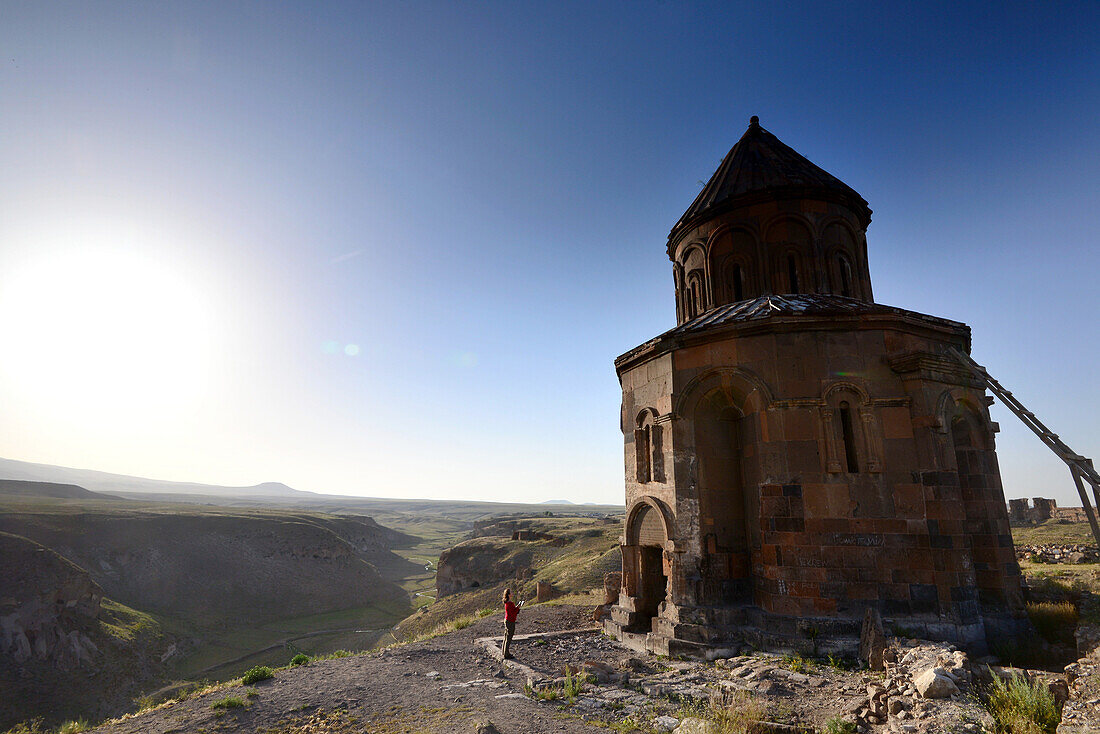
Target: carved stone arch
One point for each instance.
(956, 403)
(686, 251)
(747, 389)
(769, 226)
(749, 226)
(696, 279)
(638, 513)
(645, 413)
(852, 439)
(951, 402)
(732, 247)
(845, 386)
(844, 281)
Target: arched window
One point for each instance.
(792, 273)
(649, 456)
(697, 293)
(845, 276)
(848, 436)
(738, 281)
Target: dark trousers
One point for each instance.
(509, 630)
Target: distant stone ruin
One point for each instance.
(1041, 510)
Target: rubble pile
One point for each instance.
(1074, 553)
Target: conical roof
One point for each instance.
(761, 166)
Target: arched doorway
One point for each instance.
(648, 579)
(720, 432)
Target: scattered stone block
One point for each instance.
(934, 683)
(666, 723)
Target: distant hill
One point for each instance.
(98, 481)
(25, 488)
(560, 502)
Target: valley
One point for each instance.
(196, 588)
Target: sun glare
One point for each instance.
(110, 332)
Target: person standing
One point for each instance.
(511, 611)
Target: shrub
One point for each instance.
(574, 684)
(797, 664)
(74, 727)
(1055, 622)
(839, 726)
(229, 702)
(1019, 707)
(259, 673)
(299, 659)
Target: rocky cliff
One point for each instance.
(60, 640)
(220, 567)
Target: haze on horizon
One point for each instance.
(393, 249)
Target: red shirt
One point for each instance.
(510, 611)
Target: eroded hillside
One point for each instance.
(569, 553)
(65, 649)
(221, 588)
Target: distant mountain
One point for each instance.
(558, 502)
(98, 481)
(24, 488)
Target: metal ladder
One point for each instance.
(1080, 467)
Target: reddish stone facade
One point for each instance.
(795, 452)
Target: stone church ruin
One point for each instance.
(797, 453)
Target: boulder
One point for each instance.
(666, 723)
(935, 683)
(612, 582)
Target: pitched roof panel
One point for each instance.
(761, 163)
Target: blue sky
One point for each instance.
(393, 249)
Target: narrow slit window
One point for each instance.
(845, 278)
(738, 284)
(792, 273)
(642, 453)
(849, 437)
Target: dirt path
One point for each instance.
(446, 684)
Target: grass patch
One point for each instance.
(1019, 707)
(257, 674)
(743, 715)
(229, 702)
(1054, 621)
(797, 664)
(299, 659)
(839, 726)
(335, 655)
